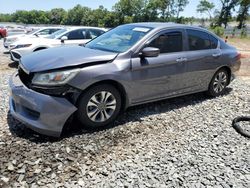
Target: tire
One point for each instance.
(94, 114)
(218, 83)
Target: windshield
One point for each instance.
(119, 39)
(56, 34)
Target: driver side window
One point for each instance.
(168, 42)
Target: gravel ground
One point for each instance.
(181, 142)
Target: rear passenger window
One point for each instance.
(214, 42)
(198, 40)
(77, 34)
(95, 33)
(169, 42)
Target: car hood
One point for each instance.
(16, 36)
(63, 57)
(32, 40)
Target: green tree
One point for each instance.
(79, 15)
(243, 13)
(111, 20)
(57, 16)
(96, 17)
(206, 7)
(179, 7)
(168, 10)
(129, 10)
(226, 12)
(6, 17)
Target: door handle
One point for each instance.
(217, 55)
(181, 59)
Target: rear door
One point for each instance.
(203, 56)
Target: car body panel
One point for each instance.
(46, 60)
(143, 79)
(13, 38)
(3, 32)
(44, 43)
(53, 111)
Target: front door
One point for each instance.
(158, 77)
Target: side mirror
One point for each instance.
(150, 52)
(63, 39)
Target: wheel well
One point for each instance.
(41, 48)
(229, 72)
(117, 85)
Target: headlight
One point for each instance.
(54, 78)
(23, 46)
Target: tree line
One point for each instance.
(128, 11)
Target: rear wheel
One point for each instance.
(99, 106)
(218, 83)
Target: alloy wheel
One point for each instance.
(101, 106)
(220, 82)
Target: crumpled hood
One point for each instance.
(63, 57)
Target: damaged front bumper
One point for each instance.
(42, 113)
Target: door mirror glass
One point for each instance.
(150, 52)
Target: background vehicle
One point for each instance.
(129, 65)
(42, 32)
(16, 31)
(3, 32)
(66, 36)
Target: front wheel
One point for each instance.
(99, 106)
(218, 83)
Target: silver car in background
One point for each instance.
(65, 36)
(41, 32)
(129, 65)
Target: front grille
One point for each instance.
(24, 77)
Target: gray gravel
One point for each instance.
(182, 142)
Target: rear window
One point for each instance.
(214, 42)
(95, 33)
(77, 34)
(198, 40)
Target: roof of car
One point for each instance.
(163, 25)
(83, 27)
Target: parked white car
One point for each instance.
(42, 32)
(67, 36)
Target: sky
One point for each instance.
(10, 6)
